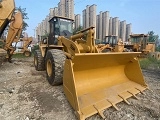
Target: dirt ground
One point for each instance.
(26, 95)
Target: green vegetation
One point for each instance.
(18, 55)
(1, 44)
(154, 38)
(158, 48)
(35, 47)
(150, 63)
(23, 11)
(78, 29)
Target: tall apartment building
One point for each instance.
(115, 26)
(102, 25)
(99, 27)
(43, 28)
(66, 8)
(128, 31)
(77, 20)
(69, 8)
(110, 26)
(89, 16)
(119, 29)
(123, 30)
(47, 29)
(86, 15)
(84, 18)
(105, 24)
(53, 12)
(38, 31)
(61, 8)
(92, 17)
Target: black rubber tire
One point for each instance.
(54, 63)
(27, 53)
(39, 62)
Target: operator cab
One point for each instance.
(111, 39)
(141, 39)
(59, 26)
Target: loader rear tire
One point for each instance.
(39, 62)
(55, 60)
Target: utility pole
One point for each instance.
(34, 33)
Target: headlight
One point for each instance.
(56, 36)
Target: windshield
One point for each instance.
(65, 25)
(111, 40)
(135, 40)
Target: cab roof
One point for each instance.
(61, 18)
(139, 35)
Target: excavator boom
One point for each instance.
(14, 32)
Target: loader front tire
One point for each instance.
(54, 66)
(39, 62)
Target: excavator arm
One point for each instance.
(14, 32)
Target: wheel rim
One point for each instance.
(35, 61)
(49, 67)
(27, 54)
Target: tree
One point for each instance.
(45, 35)
(152, 37)
(24, 14)
(78, 29)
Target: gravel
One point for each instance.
(26, 95)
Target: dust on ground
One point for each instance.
(26, 95)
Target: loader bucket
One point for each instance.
(95, 81)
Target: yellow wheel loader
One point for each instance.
(92, 81)
(111, 43)
(15, 21)
(139, 43)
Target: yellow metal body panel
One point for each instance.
(6, 12)
(95, 81)
(119, 48)
(149, 48)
